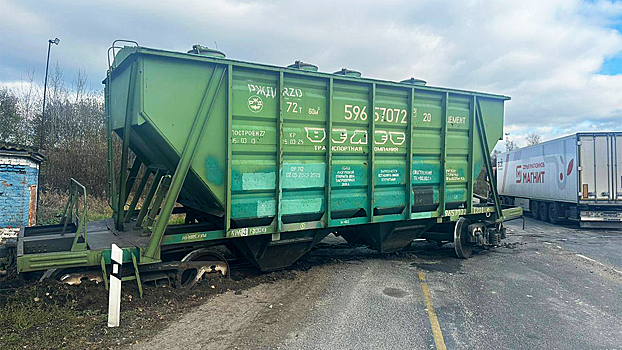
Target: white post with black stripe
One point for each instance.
(114, 298)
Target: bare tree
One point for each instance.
(79, 85)
(10, 125)
(493, 157)
(74, 129)
(533, 139)
(28, 94)
(510, 145)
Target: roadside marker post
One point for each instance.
(114, 297)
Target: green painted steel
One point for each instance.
(199, 125)
(284, 149)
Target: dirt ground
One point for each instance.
(51, 315)
(252, 319)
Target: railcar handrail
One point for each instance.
(113, 47)
(112, 190)
(73, 214)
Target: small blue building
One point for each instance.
(19, 181)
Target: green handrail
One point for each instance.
(72, 214)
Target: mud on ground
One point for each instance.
(51, 315)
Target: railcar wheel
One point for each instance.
(72, 276)
(535, 210)
(544, 211)
(554, 213)
(463, 248)
(199, 263)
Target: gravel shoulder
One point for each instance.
(253, 319)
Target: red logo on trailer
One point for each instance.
(568, 171)
(530, 173)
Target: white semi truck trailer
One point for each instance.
(576, 177)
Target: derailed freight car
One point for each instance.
(269, 160)
(577, 177)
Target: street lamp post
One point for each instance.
(45, 86)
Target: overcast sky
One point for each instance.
(559, 60)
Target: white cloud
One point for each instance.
(17, 85)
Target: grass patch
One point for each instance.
(37, 326)
(41, 317)
(52, 204)
(51, 315)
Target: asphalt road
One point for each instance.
(547, 287)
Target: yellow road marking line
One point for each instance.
(436, 327)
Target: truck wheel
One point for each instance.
(553, 213)
(544, 211)
(462, 246)
(535, 210)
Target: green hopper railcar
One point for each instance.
(269, 160)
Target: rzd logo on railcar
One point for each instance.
(255, 103)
